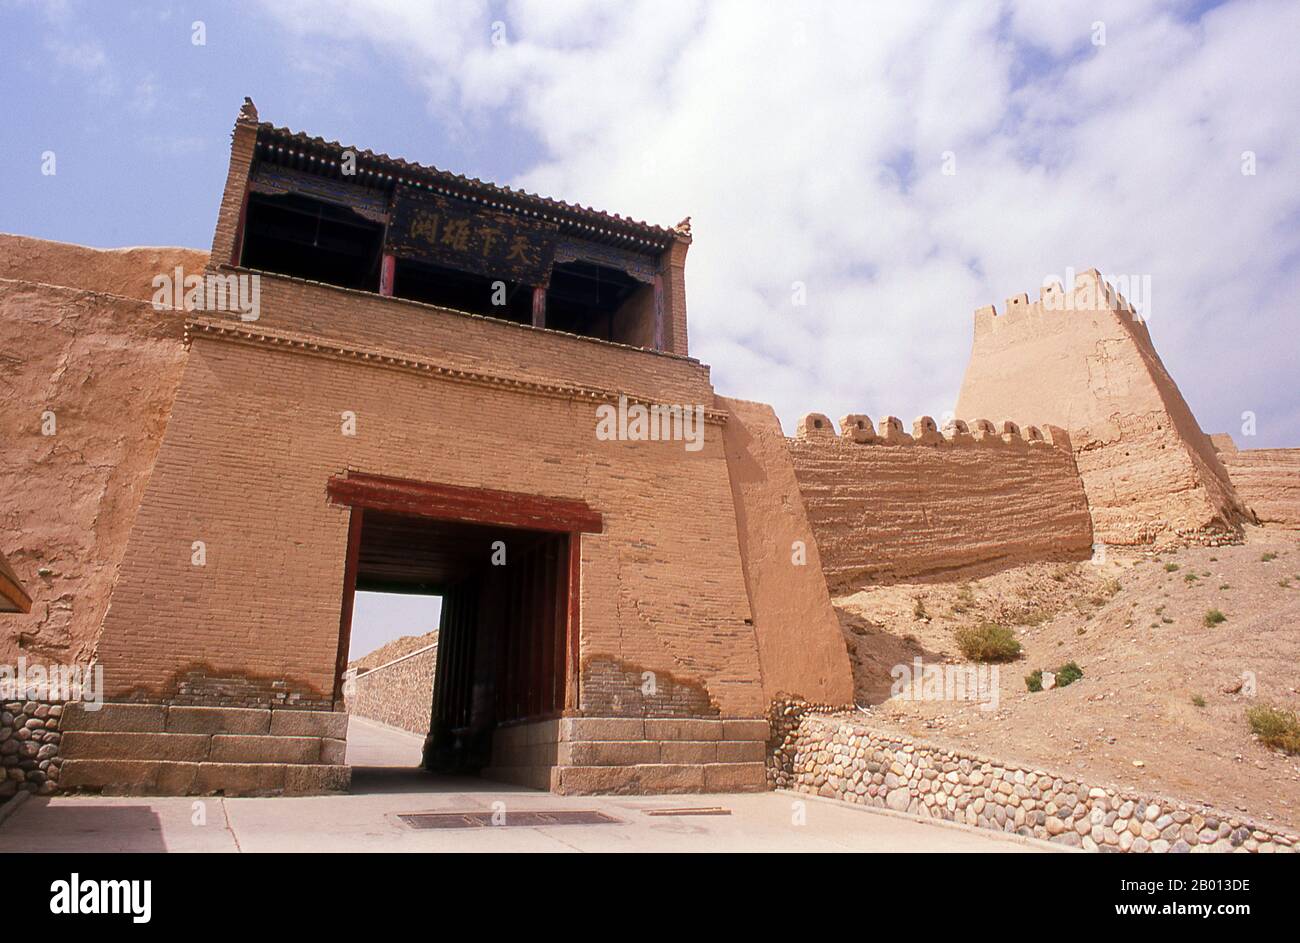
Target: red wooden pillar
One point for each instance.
(573, 622)
(539, 306)
(559, 623)
(387, 269)
(349, 596)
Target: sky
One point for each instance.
(897, 164)
(378, 618)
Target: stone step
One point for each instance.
(663, 728)
(199, 748)
(179, 778)
(660, 778)
(653, 752)
(183, 719)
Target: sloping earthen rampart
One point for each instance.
(1084, 361)
(886, 504)
(87, 379)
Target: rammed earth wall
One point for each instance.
(839, 759)
(885, 504)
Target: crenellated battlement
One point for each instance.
(1090, 292)
(858, 429)
(885, 503)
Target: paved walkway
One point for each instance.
(386, 784)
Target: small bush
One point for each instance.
(1189, 578)
(1213, 617)
(918, 610)
(1276, 728)
(1171, 567)
(1198, 701)
(988, 642)
(1068, 673)
(1268, 557)
(1224, 586)
(1166, 620)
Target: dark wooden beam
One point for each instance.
(458, 503)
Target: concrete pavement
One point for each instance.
(386, 784)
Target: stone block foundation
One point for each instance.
(632, 755)
(161, 749)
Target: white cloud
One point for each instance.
(806, 143)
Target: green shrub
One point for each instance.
(1213, 617)
(988, 642)
(1198, 701)
(1066, 675)
(1268, 557)
(1189, 578)
(1171, 567)
(1276, 728)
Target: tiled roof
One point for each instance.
(322, 156)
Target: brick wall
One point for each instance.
(256, 432)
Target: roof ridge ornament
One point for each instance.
(248, 111)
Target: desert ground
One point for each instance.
(1162, 702)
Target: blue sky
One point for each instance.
(805, 140)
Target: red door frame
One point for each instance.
(359, 492)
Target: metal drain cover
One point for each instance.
(515, 819)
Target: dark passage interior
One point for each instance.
(502, 636)
(297, 235)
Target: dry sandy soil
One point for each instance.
(1136, 626)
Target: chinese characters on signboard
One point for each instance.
(470, 238)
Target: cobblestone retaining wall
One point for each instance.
(29, 747)
(839, 759)
(399, 693)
